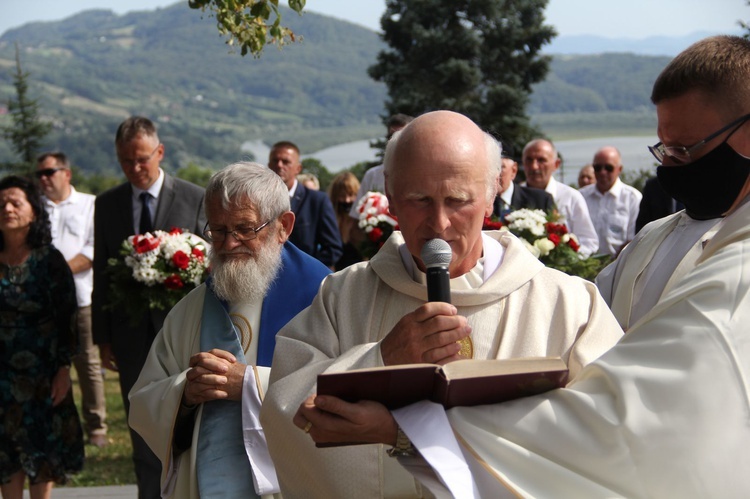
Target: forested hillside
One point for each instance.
(92, 70)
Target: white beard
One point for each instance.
(245, 280)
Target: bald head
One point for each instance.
(445, 132)
(607, 167)
(441, 177)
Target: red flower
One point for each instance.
(554, 238)
(553, 228)
(175, 230)
(490, 224)
(173, 282)
(573, 244)
(180, 260)
(376, 234)
(145, 244)
(198, 254)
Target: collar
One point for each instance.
(552, 187)
(614, 191)
(492, 257)
(293, 190)
(154, 190)
(507, 196)
(72, 197)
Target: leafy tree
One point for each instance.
(28, 131)
(638, 177)
(94, 183)
(248, 22)
(314, 166)
(195, 174)
(476, 57)
(744, 25)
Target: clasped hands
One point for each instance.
(213, 375)
(430, 334)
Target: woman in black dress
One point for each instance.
(40, 433)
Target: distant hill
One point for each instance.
(652, 45)
(93, 69)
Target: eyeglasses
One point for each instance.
(609, 168)
(682, 155)
(47, 172)
(239, 233)
(140, 161)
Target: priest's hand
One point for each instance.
(331, 420)
(214, 375)
(429, 334)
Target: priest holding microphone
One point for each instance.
(441, 173)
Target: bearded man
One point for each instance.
(197, 400)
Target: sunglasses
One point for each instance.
(609, 168)
(47, 172)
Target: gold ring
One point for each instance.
(307, 427)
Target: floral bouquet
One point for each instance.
(549, 241)
(156, 270)
(376, 221)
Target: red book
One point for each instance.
(459, 383)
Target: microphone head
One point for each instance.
(436, 253)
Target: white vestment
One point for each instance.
(622, 282)
(523, 309)
(665, 413)
(156, 396)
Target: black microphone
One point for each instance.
(436, 256)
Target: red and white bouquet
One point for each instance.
(549, 241)
(157, 269)
(376, 221)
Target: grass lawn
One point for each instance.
(113, 464)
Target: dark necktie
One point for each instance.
(146, 225)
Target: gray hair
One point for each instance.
(493, 150)
(260, 185)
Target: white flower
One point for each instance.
(544, 245)
(565, 238)
(533, 249)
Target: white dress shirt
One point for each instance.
(613, 214)
(72, 224)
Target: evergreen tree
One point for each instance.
(27, 131)
(476, 57)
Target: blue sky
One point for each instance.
(610, 18)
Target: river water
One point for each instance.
(575, 154)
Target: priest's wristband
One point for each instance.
(403, 447)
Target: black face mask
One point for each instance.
(708, 186)
(344, 207)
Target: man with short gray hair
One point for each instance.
(197, 399)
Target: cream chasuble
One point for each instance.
(522, 309)
(159, 389)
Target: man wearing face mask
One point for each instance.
(666, 249)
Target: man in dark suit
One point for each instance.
(315, 229)
(512, 196)
(149, 200)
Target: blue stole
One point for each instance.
(291, 292)
(222, 464)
